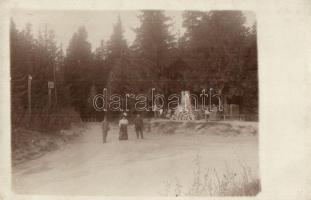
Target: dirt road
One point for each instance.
(133, 167)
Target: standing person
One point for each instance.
(123, 128)
(105, 129)
(207, 115)
(139, 126)
(161, 112)
(148, 125)
(169, 114)
(155, 110)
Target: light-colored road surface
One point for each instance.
(133, 167)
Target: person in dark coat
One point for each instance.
(139, 126)
(105, 129)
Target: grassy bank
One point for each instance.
(210, 182)
(32, 144)
(45, 132)
(224, 128)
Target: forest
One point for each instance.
(216, 51)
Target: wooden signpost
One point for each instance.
(50, 87)
(29, 97)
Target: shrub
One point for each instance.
(210, 183)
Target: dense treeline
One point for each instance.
(216, 51)
(38, 60)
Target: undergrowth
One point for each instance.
(210, 182)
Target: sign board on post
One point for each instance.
(50, 84)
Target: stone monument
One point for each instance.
(184, 110)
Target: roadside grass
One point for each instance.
(209, 182)
(223, 128)
(32, 144)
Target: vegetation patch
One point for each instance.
(209, 182)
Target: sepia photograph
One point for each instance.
(140, 99)
(134, 102)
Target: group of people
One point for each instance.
(123, 124)
(163, 113)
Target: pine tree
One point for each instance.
(18, 77)
(116, 53)
(100, 70)
(153, 39)
(224, 46)
(78, 64)
(117, 45)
